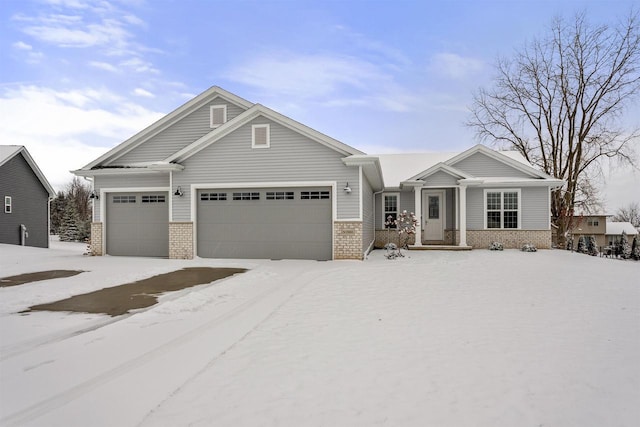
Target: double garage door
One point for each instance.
(137, 224)
(271, 223)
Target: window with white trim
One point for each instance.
(390, 205)
(7, 204)
(260, 136)
(153, 199)
(218, 115)
(213, 197)
(246, 196)
(502, 209)
(315, 195)
(124, 199)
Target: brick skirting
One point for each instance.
(181, 240)
(96, 239)
(347, 240)
(510, 239)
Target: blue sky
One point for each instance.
(78, 77)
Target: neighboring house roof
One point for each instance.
(616, 228)
(8, 152)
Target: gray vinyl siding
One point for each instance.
(450, 211)
(481, 165)
(475, 209)
(29, 204)
(441, 179)
(534, 208)
(148, 180)
(407, 201)
(290, 158)
(179, 135)
(368, 226)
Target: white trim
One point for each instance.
(360, 194)
(462, 214)
(253, 136)
(417, 202)
(285, 184)
(103, 205)
(170, 197)
(224, 115)
(382, 205)
(8, 204)
(502, 191)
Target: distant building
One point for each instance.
(605, 232)
(25, 194)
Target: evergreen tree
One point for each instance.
(70, 229)
(625, 247)
(582, 245)
(635, 248)
(57, 212)
(592, 247)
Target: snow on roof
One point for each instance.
(7, 151)
(616, 228)
(400, 167)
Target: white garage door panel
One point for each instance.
(269, 229)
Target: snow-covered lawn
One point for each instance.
(474, 338)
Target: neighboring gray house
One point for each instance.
(221, 177)
(25, 195)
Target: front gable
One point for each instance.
(183, 132)
(482, 166)
(174, 131)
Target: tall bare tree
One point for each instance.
(630, 213)
(559, 101)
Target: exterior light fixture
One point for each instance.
(347, 189)
(178, 192)
(93, 195)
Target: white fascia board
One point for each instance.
(551, 183)
(370, 166)
(43, 180)
(439, 167)
(246, 117)
(412, 183)
(167, 121)
(116, 171)
(479, 148)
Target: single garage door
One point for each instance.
(137, 224)
(272, 223)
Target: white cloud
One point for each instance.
(454, 66)
(103, 66)
(140, 66)
(64, 130)
(143, 93)
(326, 79)
(22, 46)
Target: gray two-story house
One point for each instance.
(221, 177)
(25, 194)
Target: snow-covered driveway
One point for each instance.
(435, 339)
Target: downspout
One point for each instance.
(373, 201)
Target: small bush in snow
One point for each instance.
(496, 246)
(392, 251)
(570, 244)
(528, 247)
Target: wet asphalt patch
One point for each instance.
(144, 293)
(21, 279)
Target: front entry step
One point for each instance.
(439, 248)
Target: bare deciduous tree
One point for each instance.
(630, 213)
(558, 102)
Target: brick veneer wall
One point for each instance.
(347, 240)
(510, 239)
(389, 236)
(181, 240)
(96, 239)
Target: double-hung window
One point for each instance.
(7, 204)
(390, 210)
(502, 209)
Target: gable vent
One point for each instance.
(260, 136)
(218, 115)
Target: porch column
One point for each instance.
(417, 193)
(463, 215)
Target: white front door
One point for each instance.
(433, 215)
